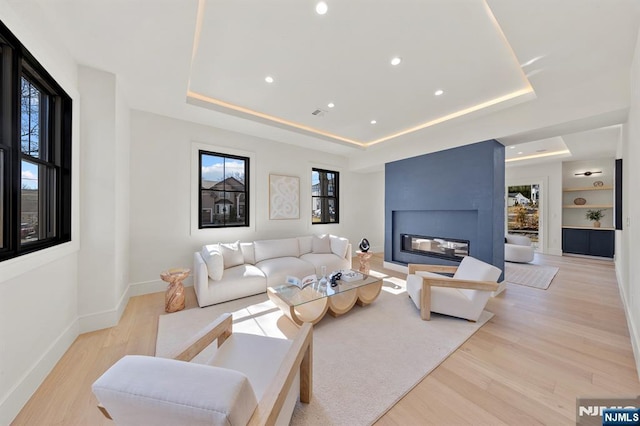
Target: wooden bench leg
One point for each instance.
(306, 374)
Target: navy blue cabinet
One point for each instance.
(591, 242)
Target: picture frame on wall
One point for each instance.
(284, 197)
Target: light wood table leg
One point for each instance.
(311, 312)
(369, 293)
(342, 302)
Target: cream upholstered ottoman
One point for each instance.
(518, 248)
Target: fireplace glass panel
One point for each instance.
(446, 248)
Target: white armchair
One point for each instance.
(464, 295)
(518, 248)
(251, 380)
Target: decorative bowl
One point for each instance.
(579, 201)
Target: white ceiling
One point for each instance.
(518, 71)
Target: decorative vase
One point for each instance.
(596, 224)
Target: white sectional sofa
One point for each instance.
(227, 271)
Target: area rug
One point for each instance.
(363, 361)
(531, 275)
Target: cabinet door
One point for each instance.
(601, 243)
(575, 241)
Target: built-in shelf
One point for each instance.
(588, 227)
(588, 206)
(588, 188)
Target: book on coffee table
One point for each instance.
(302, 283)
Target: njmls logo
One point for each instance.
(608, 411)
(599, 410)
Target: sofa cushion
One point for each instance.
(339, 245)
(149, 390)
(277, 269)
(305, 244)
(248, 252)
(214, 261)
(270, 249)
(330, 260)
(232, 254)
(321, 244)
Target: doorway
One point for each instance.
(524, 211)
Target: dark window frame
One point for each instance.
(246, 192)
(324, 213)
(53, 158)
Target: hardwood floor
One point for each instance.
(527, 366)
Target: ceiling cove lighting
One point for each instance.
(268, 79)
(321, 8)
(396, 61)
(544, 154)
(331, 104)
(438, 92)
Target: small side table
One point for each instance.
(364, 257)
(174, 297)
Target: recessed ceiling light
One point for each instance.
(512, 147)
(396, 61)
(321, 8)
(438, 92)
(331, 104)
(268, 79)
(520, 153)
(373, 121)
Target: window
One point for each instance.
(324, 196)
(35, 154)
(224, 190)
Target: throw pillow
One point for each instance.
(339, 246)
(232, 254)
(214, 261)
(321, 244)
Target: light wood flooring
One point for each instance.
(541, 350)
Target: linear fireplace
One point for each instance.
(440, 247)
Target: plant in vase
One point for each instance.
(595, 216)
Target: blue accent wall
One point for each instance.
(457, 193)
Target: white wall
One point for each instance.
(103, 258)
(38, 292)
(550, 175)
(627, 269)
(163, 178)
(365, 219)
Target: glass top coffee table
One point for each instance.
(311, 303)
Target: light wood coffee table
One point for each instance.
(312, 303)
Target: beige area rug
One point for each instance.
(364, 361)
(528, 274)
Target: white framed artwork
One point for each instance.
(284, 197)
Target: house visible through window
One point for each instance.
(324, 196)
(35, 154)
(224, 190)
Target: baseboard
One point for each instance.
(634, 333)
(146, 287)
(554, 252)
(19, 394)
(104, 319)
